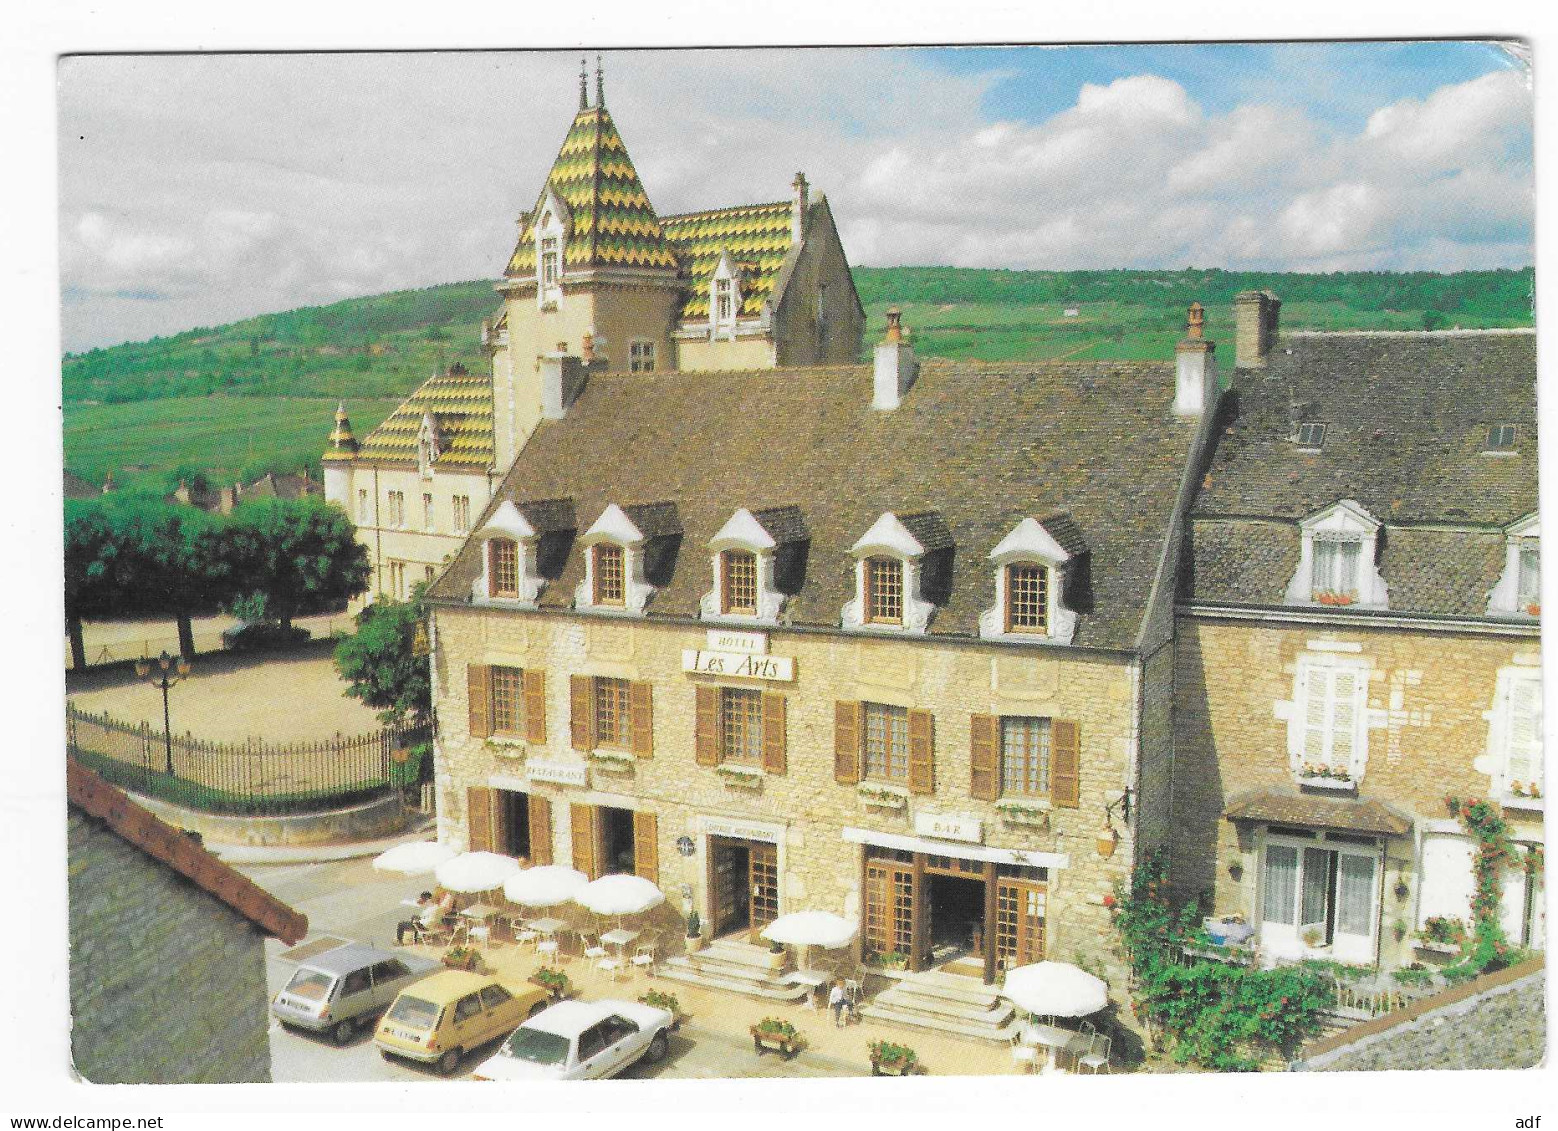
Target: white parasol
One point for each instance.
(417, 858)
(619, 895)
(546, 886)
(1055, 989)
(475, 871)
(811, 928)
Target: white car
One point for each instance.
(581, 1040)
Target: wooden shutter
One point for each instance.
(478, 818)
(706, 733)
(773, 733)
(642, 719)
(581, 711)
(582, 818)
(479, 695)
(535, 706)
(646, 846)
(848, 737)
(1065, 763)
(984, 782)
(540, 830)
(922, 753)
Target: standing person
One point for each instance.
(409, 926)
(838, 1002)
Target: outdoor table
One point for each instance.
(546, 926)
(813, 980)
(1053, 1038)
(620, 937)
(480, 911)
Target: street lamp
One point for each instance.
(164, 675)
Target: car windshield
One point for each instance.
(312, 984)
(413, 1011)
(537, 1046)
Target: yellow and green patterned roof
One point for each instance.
(757, 236)
(461, 404)
(612, 222)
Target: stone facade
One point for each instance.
(1430, 700)
(805, 811)
(167, 982)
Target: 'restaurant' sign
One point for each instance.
(739, 665)
(947, 826)
(562, 773)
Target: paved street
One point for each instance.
(349, 900)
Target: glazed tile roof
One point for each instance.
(982, 445)
(1406, 418)
(612, 222)
(461, 404)
(757, 236)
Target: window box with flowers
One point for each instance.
(742, 777)
(1441, 934)
(511, 748)
(1328, 598)
(1313, 775)
(1034, 814)
(614, 761)
(1524, 795)
(883, 796)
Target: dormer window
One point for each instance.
(750, 552)
(724, 295)
(510, 547)
(1337, 559)
(738, 589)
(427, 445)
(1519, 588)
(723, 303)
(898, 562)
(551, 263)
(1031, 564)
(884, 591)
(609, 587)
(502, 567)
(1027, 598)
(624, 549)
(1530, 566)
(1309, 436)
(1501, 438)
(551, 237)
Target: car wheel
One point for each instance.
(657, 1049)
(343, 1031)
(449, 1062)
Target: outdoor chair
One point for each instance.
(590, 947)
(852, 993)
(547, 948)
(479, 934)
(610, 965)
(1097, 1055)
(644, 955)
(1084, 1043)
(1024, 1056)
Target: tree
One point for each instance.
(173, 561)
(94, 560)
(302, 554)
(382, 664)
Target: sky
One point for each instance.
(199, 189)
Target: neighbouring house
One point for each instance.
(1359, 638)
(597, 283)
(167, 954)
(222, 500)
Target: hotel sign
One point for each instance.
(946, 826)
(560, 773)
(728, 640)
(739, 665)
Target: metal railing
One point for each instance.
(252, 778)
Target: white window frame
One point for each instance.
(552, 225)
(1516, 684)
(507, 522)
(614, 526)
(461, 507)
(1028, 543)
(1346, 520)
(396, 506)
(427, 446)
(889, 538)
(1505, 598)
(726, 278)
(1312, 668)
(427, 511)
(364, 513)
(1286, 940)
(743, 533)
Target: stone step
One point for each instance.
(738, 953)
(950, 987)
(720, 968)
(1001, 1034)
(678, 971)
(945, 1008)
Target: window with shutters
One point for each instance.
(1330, 720)
(1027, 598)
(739, 588)
(502, 567)
(886, 742)
(613, 713)
(1025, 756)
(508, 700)
(609, 586)
(1515, 736)
(884, 591)
(741, 726)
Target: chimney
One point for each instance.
(1255, 322)
(486, 332)
(798, 209)
(895, 368)
(1195, 367)
(562, 379)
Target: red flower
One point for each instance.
(1108, 901)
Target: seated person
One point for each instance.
(409, 926)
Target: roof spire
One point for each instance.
(600, 84)
(343, 445)
(584, 82)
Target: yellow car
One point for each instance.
(444, 1016)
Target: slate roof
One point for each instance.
(181, 852)
(461, 404)
(1290, 807)
(1406, 418)
(757, 236)
(982, 444)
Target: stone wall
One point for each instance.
(411, 543)
(1496, 1021)
(167, 983)
(806, 810)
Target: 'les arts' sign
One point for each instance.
(738, 665)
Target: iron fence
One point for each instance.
(251, 778)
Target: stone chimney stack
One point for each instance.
(798, 209)
(562, 379)
(895, 367)
(1255, 327)
(1195, 367)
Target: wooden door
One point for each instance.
(1019, 922)
(762, 886)
(725, 885)
(586, 839)
(889, 908)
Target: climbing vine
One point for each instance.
(1485, 947)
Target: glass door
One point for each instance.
(1357, 883)
(1019, 923)
(1319, 901)
(889, 908)
(763, 886)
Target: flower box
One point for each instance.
(888, 1059)
(668, 1002)
(743, 777)
(1023, 813)
(461, 958)
(883, 797)
(613, 761)
(1433, 947)
(779, 1036)
(1335, 598)
(554, 982)
(1334, 785)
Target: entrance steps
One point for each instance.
(948, 1003)
(739, 967)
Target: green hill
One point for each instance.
(256, 395)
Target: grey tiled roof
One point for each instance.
(784, 524)
(1290, 807)
(548, 516)
(1406, 420)
(981, 444)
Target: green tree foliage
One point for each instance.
(94, 565)
(380, 664)
(301, 554)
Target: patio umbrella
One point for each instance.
(619, 895)
(811, 928)
(475, 871)
(546, 886)
(1055, 989)
(417, 858)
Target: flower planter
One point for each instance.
(901, 1067)
(1333, 785)
(788, 1047)
(556, 991)
(884, 799)
(1434, 947)
(612, 763)
(741, 779)
(1023, 815)
(461, 960)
